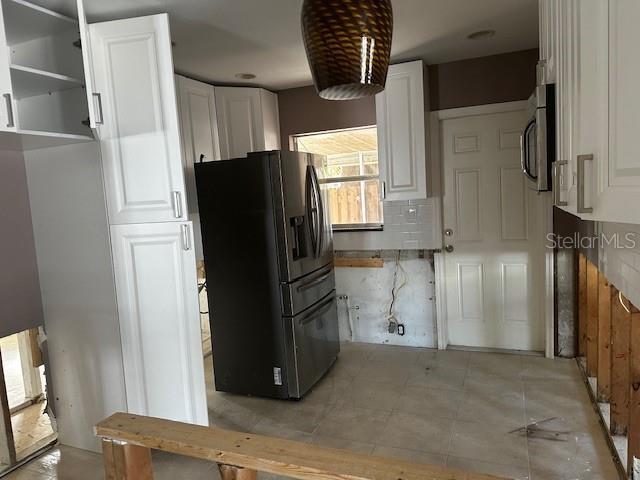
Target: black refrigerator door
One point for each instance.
(313, 344)
(300, 215)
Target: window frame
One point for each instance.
(347, 227)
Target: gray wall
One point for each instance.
(20, 299)
(477, 81)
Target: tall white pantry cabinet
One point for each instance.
(114, 242)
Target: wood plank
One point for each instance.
(30, 374)
(604, 339)
(633, 435)
(126, 461)
(7, 444)
(592, 319)
(229, 472)
(620, 329)
(36, 352)
(358, 262)
(582, 305)
(267, 454)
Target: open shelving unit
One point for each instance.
(47, 75)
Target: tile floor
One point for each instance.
(461, 409)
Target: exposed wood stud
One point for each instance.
(123, 461)
(592, 319)
(582, 305)
(7, 445)
(229, 472)
(620, 329)
(633, 435)
(604, 339)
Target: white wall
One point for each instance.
(622, 265)
(78, 293)
(369, 291)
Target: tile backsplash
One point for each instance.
(408, 225)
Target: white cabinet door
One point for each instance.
(7, 116)
(156, 286)
(239, 121)
(548, 26)
(93, 99)
(620, 181)
(248, 121)
(140, 138)
(199, 130)
(400, 113)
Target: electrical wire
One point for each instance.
(396, 289)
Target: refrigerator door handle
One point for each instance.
(314, 282)
(320, 208)
(312, 210)
(318, 311)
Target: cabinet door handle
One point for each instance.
(10, 120)
(98, 97)
(383, 186)
(582, 159)
(557, 180)
(186, 238)
(177, 204)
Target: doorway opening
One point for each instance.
(26, 422)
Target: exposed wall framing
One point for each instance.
(609, 338)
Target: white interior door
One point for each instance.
(492, 220)
(140, 134)
(155, 273)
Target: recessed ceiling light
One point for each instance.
(481, 34)
(245, 76)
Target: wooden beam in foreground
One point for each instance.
(592, 320)
(633, 435)
(582, 305)
(620, 329)
(267, 454)
(604, 338)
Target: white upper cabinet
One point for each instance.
(139, 134)
(155, 274)
(248, 121)
(199, 129)
(400, 114)
(41, 76)
(597, 103)
(548, 36)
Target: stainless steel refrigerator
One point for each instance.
(268, 252)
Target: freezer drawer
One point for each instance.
(315, 345)
(303, 293)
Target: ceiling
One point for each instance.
(217, 39)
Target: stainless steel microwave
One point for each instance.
(538, 140)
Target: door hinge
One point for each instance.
(277, 376)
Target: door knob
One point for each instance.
(448, 232)
(449, 248)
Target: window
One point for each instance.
(350, 173)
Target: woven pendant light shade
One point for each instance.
(348, 44)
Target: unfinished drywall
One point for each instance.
(368, 296)
(78, 292)
(20, 301)
(619, 257)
